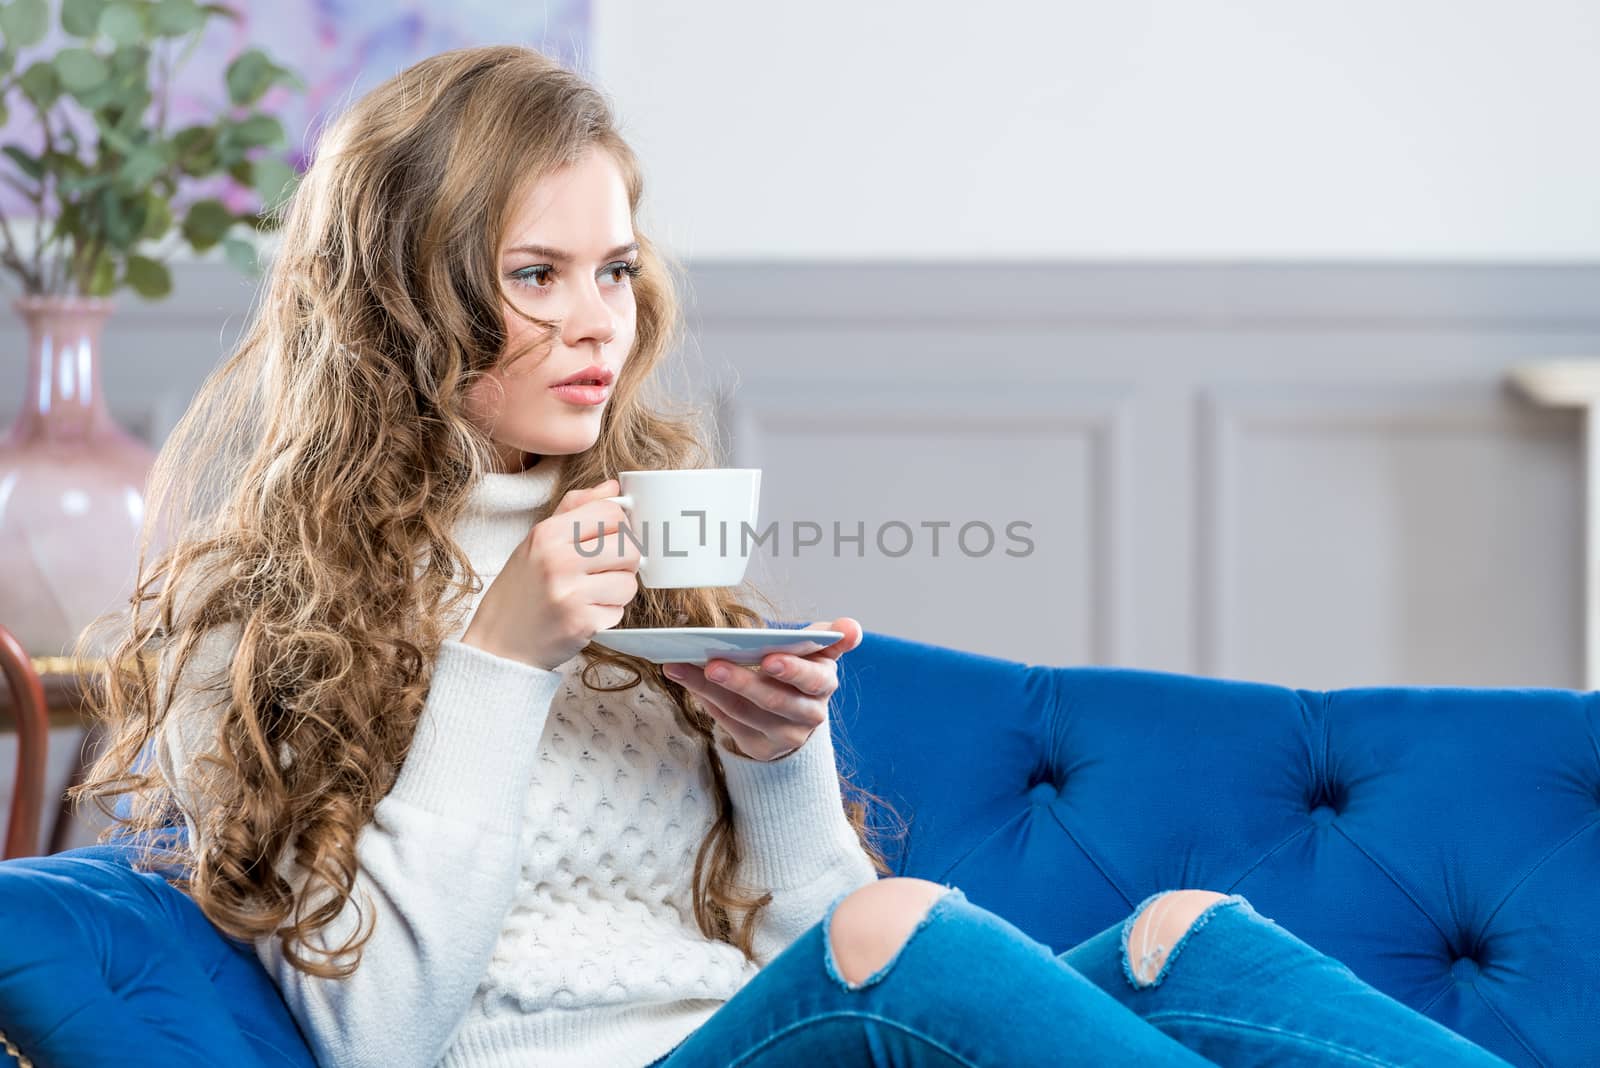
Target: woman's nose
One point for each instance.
(590, 318)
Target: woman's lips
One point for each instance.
(587, 395)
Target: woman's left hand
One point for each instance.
(770, 710)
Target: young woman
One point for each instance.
(456, 831)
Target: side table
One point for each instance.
(57, 683)
(1575, 383)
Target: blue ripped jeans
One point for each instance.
(969, 989)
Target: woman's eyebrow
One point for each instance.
(558, 256)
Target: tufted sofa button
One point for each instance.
(1042, 793)
(1465, 969)
(1323, 815)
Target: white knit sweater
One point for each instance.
(527, 879)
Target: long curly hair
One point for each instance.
(307, 497)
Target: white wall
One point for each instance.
(1209, 129)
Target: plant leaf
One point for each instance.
(24, 22)
(27, 164)
(66, 221)
(142, 165)
(115, 137)
(103, 279)
(81, 18)
(121, 23)
(273, 181)
(130, 112)
(237, 138)
(174, 18)
(64, 164)
(196, 148)
(206, 223)
(242, 254)
(157, 218)
(249, 75)
(122, 216)
(149, 278)
(259, 130)
(132, 62)
(80, 69)
(82, 186)
(40, 84)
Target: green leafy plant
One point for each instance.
(99, 207)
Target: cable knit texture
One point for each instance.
(528, 876)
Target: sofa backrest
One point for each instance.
(1444, 843)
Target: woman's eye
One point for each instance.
(536, 277)
(621, 271)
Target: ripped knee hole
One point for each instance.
(869, 929)
(1160, 928)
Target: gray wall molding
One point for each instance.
(1308, 473)
(1135, 296)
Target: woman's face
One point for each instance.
(566, 259)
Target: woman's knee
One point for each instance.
(1159, 928)
(871, 925)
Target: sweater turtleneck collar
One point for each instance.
(499, 512)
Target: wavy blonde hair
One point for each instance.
(308, 495)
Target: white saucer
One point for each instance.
(696, 645)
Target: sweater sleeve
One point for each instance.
(436, 865)
(795, 837)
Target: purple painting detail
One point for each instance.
(339, 48)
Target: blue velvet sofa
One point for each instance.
(1444, 843)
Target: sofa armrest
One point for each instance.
(102, 964)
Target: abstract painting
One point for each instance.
(339, 48)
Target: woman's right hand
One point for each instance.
(550, 599)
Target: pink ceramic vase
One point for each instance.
(72, 484)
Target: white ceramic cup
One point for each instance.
(679, 546)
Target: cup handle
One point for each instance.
(626, 500)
